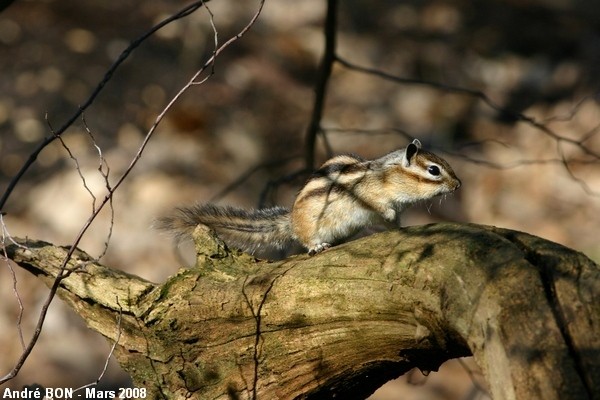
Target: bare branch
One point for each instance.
(110, 353)
(75, 161)
(104, 170)
(5, 239)
(329, 57)
(474, 93)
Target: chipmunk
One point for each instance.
(345, 195)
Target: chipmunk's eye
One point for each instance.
(434, 170)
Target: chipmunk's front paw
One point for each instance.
(318, 248)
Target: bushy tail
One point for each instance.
(261, 231)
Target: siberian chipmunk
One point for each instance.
(345, 195)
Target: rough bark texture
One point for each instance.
(343, 322)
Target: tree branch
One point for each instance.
(329, 57)
(345, 321)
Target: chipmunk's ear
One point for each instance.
(411, 150)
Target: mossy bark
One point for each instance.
(345, 321)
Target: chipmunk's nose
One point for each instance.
(457, 184)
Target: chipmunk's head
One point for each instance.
(420, 174)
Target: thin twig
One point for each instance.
(75, 161)
(5, 238)
(104, 170)
(110, 353)
(584, 185)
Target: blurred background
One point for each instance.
(239, 138)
